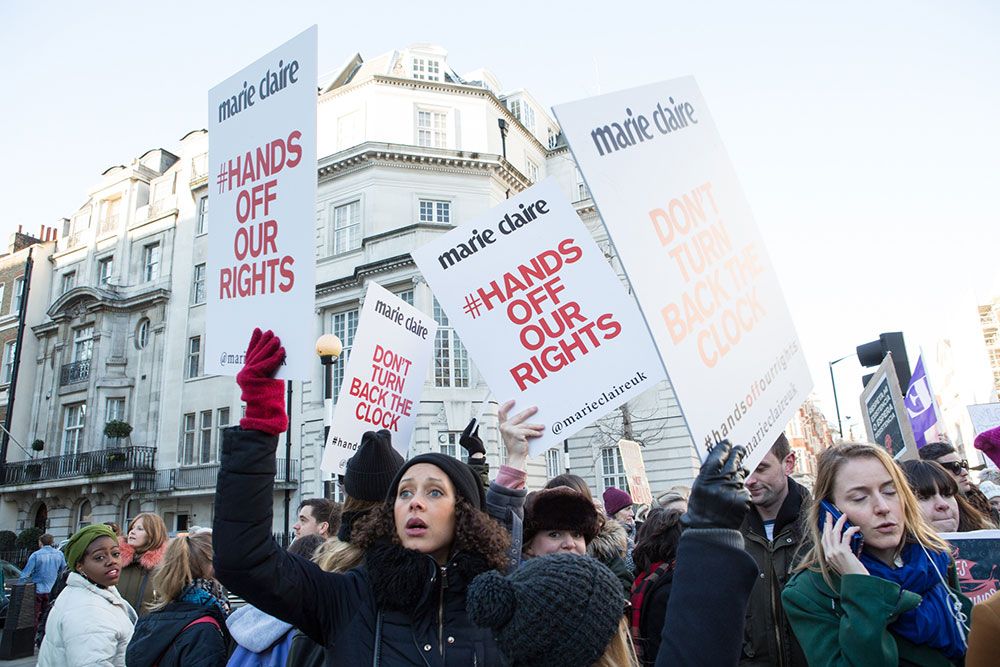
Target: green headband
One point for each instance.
(82, 539)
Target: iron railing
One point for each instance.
(77, 371)
(85, 464)
(204, 477)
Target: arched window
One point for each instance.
(84, 515)
(42, 517)
(130, 508)
(142, 333)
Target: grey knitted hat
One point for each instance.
(555, 611)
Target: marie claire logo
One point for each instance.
(635, 128)
(230, 359)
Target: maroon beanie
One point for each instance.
(988, 442)
(615, 500)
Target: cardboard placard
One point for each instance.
(984, 416)
(384, 377)
(886, 419)
(671, 201)
(977, 560)
(261, 251)
(541, 312)
(635, 470)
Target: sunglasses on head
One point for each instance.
(955, 467)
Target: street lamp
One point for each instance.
(840, 426)
(328, 347)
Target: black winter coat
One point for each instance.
(160, 638)
(422, 605)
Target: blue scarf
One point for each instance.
(206, 593)
(930, 623)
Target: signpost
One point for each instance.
(261, 254)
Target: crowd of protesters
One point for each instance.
(429, 562)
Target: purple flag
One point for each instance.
(919, 403)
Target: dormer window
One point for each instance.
(426, 69)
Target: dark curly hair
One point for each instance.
(657, 539)
(475, 532)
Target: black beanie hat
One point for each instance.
(466, 481)
(576, 599)
(369, 472)
(561, 508)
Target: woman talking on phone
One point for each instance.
(888, 598)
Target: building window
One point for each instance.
(83, 343)
(451, 361)
(426, 69)
(84, 516)
(528, 118)
(431, 129)
(114, 409)
(531, 171)
(613, 469)
(347, 227)
(109, 219)
(142, 334)
(9, 352)
(515, 108)
(345, 325)
(553, 138)
(68, 281)
(15, 303)
(221, 423)
(193, 368)
(187, 440)
(553, 462)
(332, 490)
(205, 438)
(201, 226)
(582, 191)
(105, 267)
(132, 509)
(74, 419)
(150, 262)
(448, 443)
(407, 296)
(198, 284)
(435, 211)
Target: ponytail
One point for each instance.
(187, 558)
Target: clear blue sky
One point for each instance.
(864, 132)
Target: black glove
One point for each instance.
(718, 497)
(470, 440)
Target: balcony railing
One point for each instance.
(78, 371)
(85, 464)
(204, 477)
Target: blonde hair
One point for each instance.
(156, 530)
(187, 558)
(336, 556)
(828, 467)
(620, 651)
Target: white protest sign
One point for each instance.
(542, 313)
(635, 470)
(672, 203)
(384, 376)
(984, 416)
(261, 251)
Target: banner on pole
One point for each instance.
(261, 253)
(635, 470)
(921, 407)
(384, 377)
(670, 199)
(542, 313)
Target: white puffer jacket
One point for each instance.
(88, 625)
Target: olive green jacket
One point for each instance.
(849, 626)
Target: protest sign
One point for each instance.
(984, 416)
(671, 202)
(886, 419)
(384, 376)
(261, 251)
(635, 470)
(977, 557)
(542, 313)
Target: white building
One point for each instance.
(407, 149)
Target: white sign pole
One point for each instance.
(261, 254)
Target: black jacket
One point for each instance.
(768, 638)
(652, 616)
(422, 605)
(160, 638)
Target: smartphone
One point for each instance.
(826, 507)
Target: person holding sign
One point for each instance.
(423, 545)
(878, 586)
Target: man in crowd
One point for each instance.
(43, 568)
(317, 516)
(773, 530)
(945, 454)
(618, 506)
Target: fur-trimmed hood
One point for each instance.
(611, 541)
(147, 559)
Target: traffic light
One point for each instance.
(872, 354)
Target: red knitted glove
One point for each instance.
(988, 442)
(264, 396)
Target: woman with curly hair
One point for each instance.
(422, 546)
